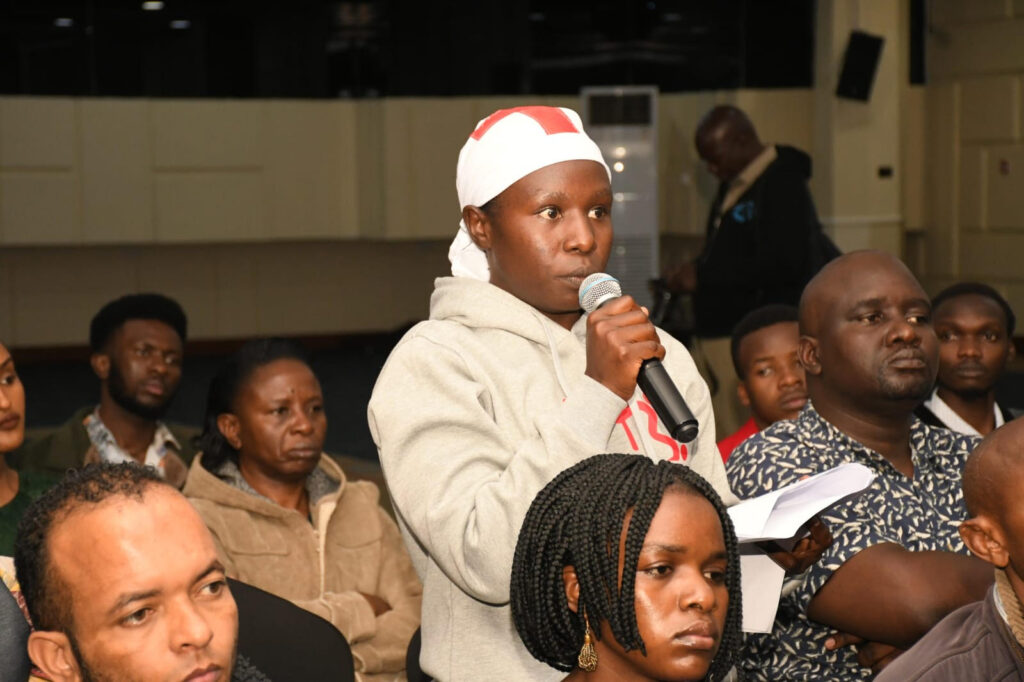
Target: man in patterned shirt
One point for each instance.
(897, 564)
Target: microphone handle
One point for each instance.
(668, 404)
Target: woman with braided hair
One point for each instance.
(673, 615)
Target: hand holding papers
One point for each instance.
(780, 515)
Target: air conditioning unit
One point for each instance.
(623, 120)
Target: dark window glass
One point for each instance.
(369, 48)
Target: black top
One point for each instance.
(761, 251)
(929, 417)
(31, 485)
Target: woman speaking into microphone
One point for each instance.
(509, 383)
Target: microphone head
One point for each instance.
(598, 288)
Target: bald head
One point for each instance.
(727, 141)
(837, 278)
(992, 476)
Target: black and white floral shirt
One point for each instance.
(921, 514)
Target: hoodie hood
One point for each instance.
(481, 305)
(793, 160)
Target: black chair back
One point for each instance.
(412, 661)
(288, 643)
(14, 631)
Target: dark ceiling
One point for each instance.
(369, 48)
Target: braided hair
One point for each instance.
(577, 520)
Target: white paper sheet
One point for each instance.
(779, 515)
(761, 579)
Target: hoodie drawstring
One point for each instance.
(559, 376)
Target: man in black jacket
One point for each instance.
(764, 242)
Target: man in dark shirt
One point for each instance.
(897, 564)
(761, 242)
(975, 329)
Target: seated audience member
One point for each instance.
(16, 489)
(672, 614)
(975, 329)
(136, 345)
(122, 581)
(772, 384)
(897, 564)
(285, 519)
(983, 640)
(509, 383)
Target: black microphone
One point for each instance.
(653, 380)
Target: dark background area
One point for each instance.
(371, 48)
(346, 367)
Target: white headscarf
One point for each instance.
(506, 146)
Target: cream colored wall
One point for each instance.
(49, 294)
(854, 139)
(269, 217)
(974, 149)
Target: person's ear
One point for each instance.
(572, 588)
(1012, 352)
(100, 363)
(808, 351)
(478, 225)
(230, 428)
(986, 540)
(743, 394)
(51, 652)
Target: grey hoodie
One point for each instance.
(475, 411)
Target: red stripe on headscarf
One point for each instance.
(551, 119)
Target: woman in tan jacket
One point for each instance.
(285, 518)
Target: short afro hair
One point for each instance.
(45, 594)
(977, 289)
(135, 307)
(756, 320)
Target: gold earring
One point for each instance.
(587, 659)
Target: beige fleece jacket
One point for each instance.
(352, 546)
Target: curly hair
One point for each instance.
(135, 307)
(228, 383)
(45, 593)
(577, 520)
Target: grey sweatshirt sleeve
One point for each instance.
(459, 482)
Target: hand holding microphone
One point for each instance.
(623, 351)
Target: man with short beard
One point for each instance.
(897, 564)
(137, 342)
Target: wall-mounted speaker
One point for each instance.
(859, 66)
